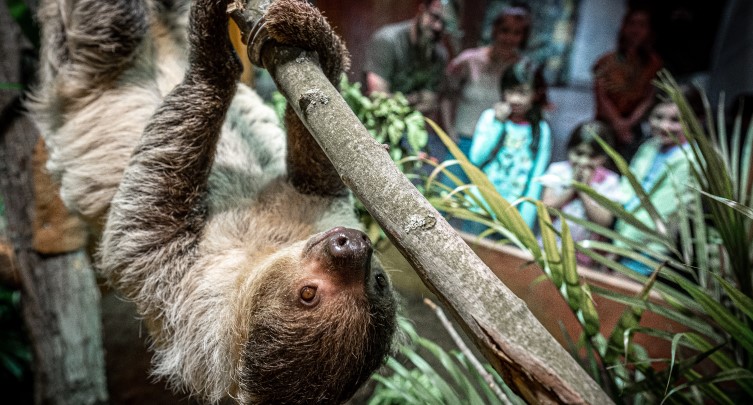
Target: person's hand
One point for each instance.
(425, 156)
(583, 173)
(502, 110)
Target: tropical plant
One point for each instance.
(702, 274)
(457, 378)
(15, 356)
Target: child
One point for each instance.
(584, 164)
(512, 141)
(661, 155)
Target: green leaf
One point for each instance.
(643, 197)
(727, 321)
(503, 211)
(746, 198)
(396, 154)
(619, 339)
(747, 211)
(11, 86)
(25, 20)
(742, 302)
(722, 376)
(396, 392)
(455, 372)
(722, 360)
(417, 387)
(12, 366)
(689, 321)
(448, 394)
(614, 236)
(489, 396)
(553, 261)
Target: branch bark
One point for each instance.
(60, 297)
(505, 331)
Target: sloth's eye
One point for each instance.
(381, 280)
(308, 294)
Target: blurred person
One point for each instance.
(512, 141)
(623, 80)
(585, 164)
(662, 167)
(408, 57)
(474, 74)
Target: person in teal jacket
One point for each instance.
(662, 167)
(512, 141)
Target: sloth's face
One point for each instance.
(322, 320)
(340, 262)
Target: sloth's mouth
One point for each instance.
(318, 238)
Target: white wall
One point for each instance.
(595, 34)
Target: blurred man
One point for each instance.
(408, 57)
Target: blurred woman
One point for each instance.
(475, 73)
(623, 81)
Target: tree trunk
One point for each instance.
(60, 295)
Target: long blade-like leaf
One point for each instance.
(747, 211)
(689, 321)
(643, 197)
(741, 301)
(506, 214)
(722, 376)
(745, 188)
(726, 320)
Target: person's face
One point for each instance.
(665, 124)
(431, 21)
(509, 35)
(584, 155)
(520, 99)
(637, 28)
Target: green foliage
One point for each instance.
(702, 273)
(23, 16)
(15, 356)
(453, 381)
(389, 119)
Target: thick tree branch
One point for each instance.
(502, 327)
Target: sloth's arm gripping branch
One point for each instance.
(299, 24)
(159, 210)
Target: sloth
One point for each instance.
(235, 238)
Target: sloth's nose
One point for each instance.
(349, 249)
